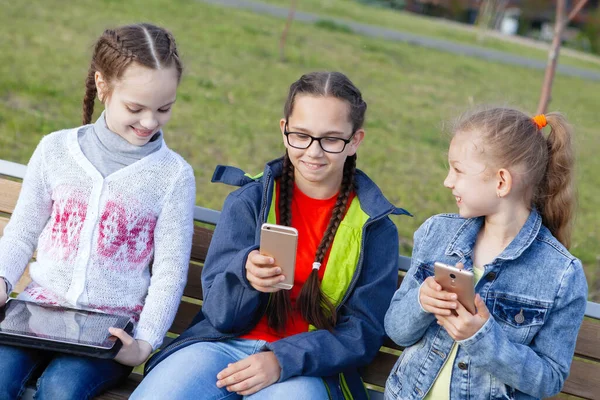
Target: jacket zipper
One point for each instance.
(360, 260)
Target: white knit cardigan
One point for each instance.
(97, 237)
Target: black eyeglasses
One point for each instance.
(329, 144)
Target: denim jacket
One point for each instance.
(536, 294)
(232, 306)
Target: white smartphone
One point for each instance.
(280, 242)
(458, 281)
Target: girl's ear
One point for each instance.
(356, 141)
(504, 182)
(282, 127)
(101, 86)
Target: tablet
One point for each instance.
(61, 329)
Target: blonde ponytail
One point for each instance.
(555, 197)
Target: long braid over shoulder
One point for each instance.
(148, 45)
(280, 304)
(315, 307)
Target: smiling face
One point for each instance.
(138, 104)
(317, 173)
(472, 182)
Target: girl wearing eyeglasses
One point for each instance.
(258, 342)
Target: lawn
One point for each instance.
(352, 10)
(231, 97)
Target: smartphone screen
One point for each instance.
(280, 242)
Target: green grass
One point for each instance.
(353, 10)
(234, 86)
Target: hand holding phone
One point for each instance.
(457, 281)
(280, 242)
(436, 300)
(262, 273)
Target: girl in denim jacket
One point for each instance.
(514, 191)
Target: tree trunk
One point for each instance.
(286, 29)
(552, 58)
(484, 15)
(559, 26)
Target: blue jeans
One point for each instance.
(62, 376)
(191, 373)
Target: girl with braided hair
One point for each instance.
(258, 342)
(102, 202)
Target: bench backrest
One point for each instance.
(583, 381)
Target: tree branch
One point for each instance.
(286, 29)
(575, 11)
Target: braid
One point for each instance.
(314, 305)
(280, 304)
(286, 191)
(114, 41)
(172, 46)
(89, 97)
(117, 48)
(339, 209)
(172, 55)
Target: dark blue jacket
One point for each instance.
(232, 307)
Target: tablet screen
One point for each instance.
(59, 324)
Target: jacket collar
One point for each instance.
(463, 242)
(372, 201)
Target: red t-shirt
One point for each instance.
(310, 217)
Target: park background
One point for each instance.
(235, 83)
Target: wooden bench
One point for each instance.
(583, 382)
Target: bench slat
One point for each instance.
(588, 340)
(390, 344)
(9, 193)
(12, 169)
(3, 222)
(584, 380)
(193, 288)
(200, 242)
(122, 392)
(377, 371)
(185, 314)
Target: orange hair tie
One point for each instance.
(540, 121)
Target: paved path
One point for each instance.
(389, 34)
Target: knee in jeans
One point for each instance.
(12, 387)
(11, 391)
(54, 387)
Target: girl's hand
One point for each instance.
(464, 325)
(262, 273)
(251, 374)
(134, 352)
(435, 300)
